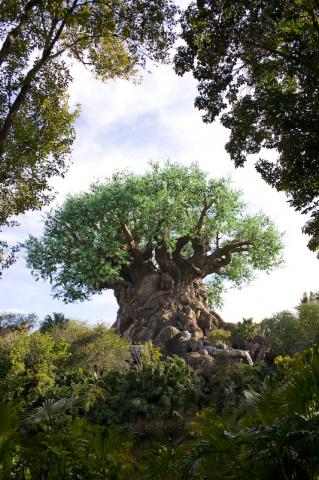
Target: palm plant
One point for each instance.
(51, 321)
(46, 414)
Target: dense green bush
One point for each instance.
(156, 388)
(50, 444)
(75, 405)
(246, 329)
(29, 366)
(285, 332)
(230, 381)
(63, 362)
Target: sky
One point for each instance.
(125, 125)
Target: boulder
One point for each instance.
(233, 354)
(165, 337)
(195, 345)
(203, 351)
(203, 364)
(179, 345)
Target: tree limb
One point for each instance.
(131, 241)
(314, 19)
(27, 82)
(15, 32)
(163, 257)
(221, 257)
(199, 224)
(180, 244)
(148, 251)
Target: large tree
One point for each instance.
(39, 39)
(153, 239)
(258, 62)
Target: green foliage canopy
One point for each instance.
(259, 62)
(39, 39)
(171, 219)
(288, 333)
(51, 444)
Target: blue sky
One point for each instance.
(126, 125)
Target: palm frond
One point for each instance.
(51, 409)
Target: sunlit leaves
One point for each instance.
(84, 248)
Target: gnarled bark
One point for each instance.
(164, 300)
(173, 315)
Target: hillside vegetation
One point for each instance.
(77, 404)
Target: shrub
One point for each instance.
(157, 388)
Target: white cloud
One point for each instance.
(125, 125)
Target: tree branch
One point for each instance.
(163, 257)
(148, 251)
(221, 257)
(15, 32)
(314, 19)
(131, 241)
(180, 244)
(199, 224)
(27, 82)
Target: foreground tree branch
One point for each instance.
(114, 39)
(261, 80)
(11, 37)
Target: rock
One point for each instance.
(195, 345)
(254, 348)
(206, 322)
(197, 333)
(192, 359)
(234, 355)
(262, 354)
(198, 361)
(207, 371)
(165, 337)
(222, 346)
(185, 335)
(179, 345)
(203, 351)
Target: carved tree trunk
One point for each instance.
(173, 315)
(163, 298)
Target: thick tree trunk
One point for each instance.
(175, 317)
(169, 314)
